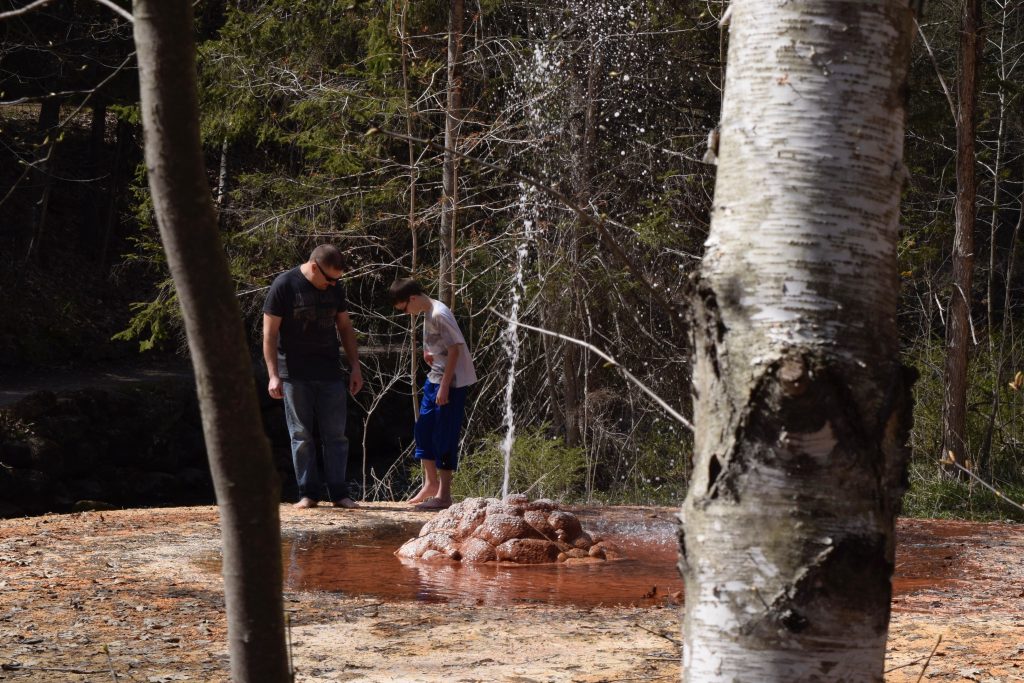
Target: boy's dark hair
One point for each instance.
(402, 289)
(328, 255)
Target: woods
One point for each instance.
(797, 226)
(577, 99)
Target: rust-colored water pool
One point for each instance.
(364, 563)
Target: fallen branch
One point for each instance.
(910, 663)
(928, 661)
(110, 662)
(16, 666)
(675, 642)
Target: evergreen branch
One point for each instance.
(611, 361)
(601, 224)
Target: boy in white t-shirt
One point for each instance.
(444, 393)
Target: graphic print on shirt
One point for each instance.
(314, 310)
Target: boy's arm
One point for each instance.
(449, 374)
(271, 330)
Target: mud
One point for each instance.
(138, 585)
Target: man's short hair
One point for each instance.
(404, 288)
(328, 256)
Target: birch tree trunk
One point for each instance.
(243, 474)
(450, 179)
(954, 406)
(801, 404)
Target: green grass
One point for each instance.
(932, 494)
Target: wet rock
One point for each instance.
(414, 547)
(516, 530)
(610, 550)
(498, 508)
(565, 525)
(443, 522)
(470, 522)
(442, 543)
(538, 519)
(583, 541)
(477, 550)
(496, 529)
(527, 551)
(517, 499)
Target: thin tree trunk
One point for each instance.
(574, 366)
(91, 229)
(110, 221)
(996, 361)
(954, 407)
(240, 461)
(452, 131)
(223, 177)
(1005, 333)
(41, 177)
(414, 356)
(802, 408)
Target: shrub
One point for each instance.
(541, 467)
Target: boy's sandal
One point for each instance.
(433, 504)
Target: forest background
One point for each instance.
(580, 97)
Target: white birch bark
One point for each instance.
(801, 404)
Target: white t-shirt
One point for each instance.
(441, 331)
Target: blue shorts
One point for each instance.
(438, 427)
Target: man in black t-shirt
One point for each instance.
(305, 314)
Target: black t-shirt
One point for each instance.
(308, 347)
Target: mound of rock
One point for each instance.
(515, 529)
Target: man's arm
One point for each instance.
(348, 342)
(271, 331)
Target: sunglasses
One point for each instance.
(330, 280)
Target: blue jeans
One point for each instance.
(309, 403)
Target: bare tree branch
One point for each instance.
(611, 361)
(122, 12)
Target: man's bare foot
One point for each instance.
(305, 503)
(422, 495)
(346, 503)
